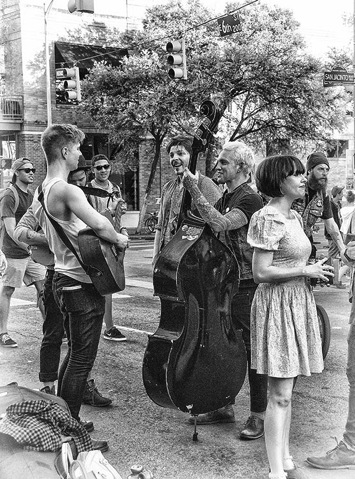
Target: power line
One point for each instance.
(154, 40)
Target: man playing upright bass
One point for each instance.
(229, 218)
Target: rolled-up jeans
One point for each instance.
(349, 434)
(83, 310)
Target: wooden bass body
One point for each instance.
(196, 360)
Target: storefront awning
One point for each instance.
(84, 56)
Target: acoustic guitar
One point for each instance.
(104, 259)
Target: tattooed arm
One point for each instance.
(232, 220)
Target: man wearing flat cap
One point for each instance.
(316, 203)
(20, 266)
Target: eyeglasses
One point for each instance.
(28, 170)
(99, 168)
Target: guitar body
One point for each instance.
(105, 258)
(195, 361)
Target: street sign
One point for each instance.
(338, 76)
(228, 24)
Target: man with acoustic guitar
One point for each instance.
(229, 219)
(82, 305)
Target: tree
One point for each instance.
(272, 88)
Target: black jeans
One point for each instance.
(83, 310)
(53, 330)
(258, 383)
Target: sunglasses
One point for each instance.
(99, 168)
(28, 170)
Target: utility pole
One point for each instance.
(48, 73)
(353, 152)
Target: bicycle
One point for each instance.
(151, 222)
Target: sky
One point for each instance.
(321, 20)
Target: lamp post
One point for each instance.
(353, 155)
(48, 73)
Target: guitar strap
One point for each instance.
(90, 270)
(90, 190)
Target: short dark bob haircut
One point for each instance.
(272, 171)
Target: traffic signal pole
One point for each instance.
(353, 154)
(48, 73)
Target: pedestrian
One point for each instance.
(285, 338)
(20, 266)
(347, 213)
(229, 219)
(80, 302)
(101, 168)
(335, 204)
(343, 455)
(179, 150)
(315, 204)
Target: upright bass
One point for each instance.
(196, 360)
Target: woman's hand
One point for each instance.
(319, 270)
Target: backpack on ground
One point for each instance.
(7, 191)
(87, 465)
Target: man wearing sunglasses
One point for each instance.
(20, 266)
(101, 168)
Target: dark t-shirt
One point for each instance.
(10, 248)
(246, 200)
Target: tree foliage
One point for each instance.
(261, 77)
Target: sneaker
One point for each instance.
(48, 390)
(222, 415)
(93, 397)
(114, 334)
(88, 425)
(253, 429)
(338, 458)
(7, 342)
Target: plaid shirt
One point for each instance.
(39, 426)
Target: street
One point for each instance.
(138, 431)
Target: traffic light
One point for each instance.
(6, 163)
(68, 85)
(177, 59)
(81, 6)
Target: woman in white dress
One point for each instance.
(284, 326)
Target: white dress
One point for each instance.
(285, 338)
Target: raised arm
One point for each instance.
(233, 219)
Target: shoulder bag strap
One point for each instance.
(88, 269)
